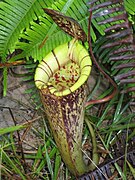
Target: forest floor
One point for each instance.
(18, 108)
(17, 103)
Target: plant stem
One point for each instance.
(95, 156)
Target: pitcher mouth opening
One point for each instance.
(64, 69)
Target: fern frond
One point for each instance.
(130, 6)
(15, 16)
(27, 16)
(117, 46)
(44, 35)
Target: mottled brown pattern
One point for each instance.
(67, 24)
(66, 115)
(66, 76)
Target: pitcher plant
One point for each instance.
(61, 79)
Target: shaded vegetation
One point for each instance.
(27, 34)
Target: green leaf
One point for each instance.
(40, 38)
(57, 165)
(12, 129)
(131, 169)
(15, 16)
(11, 164)
(49, 165)
(118, 109)
(130, 6)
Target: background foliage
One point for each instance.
(27, 33)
